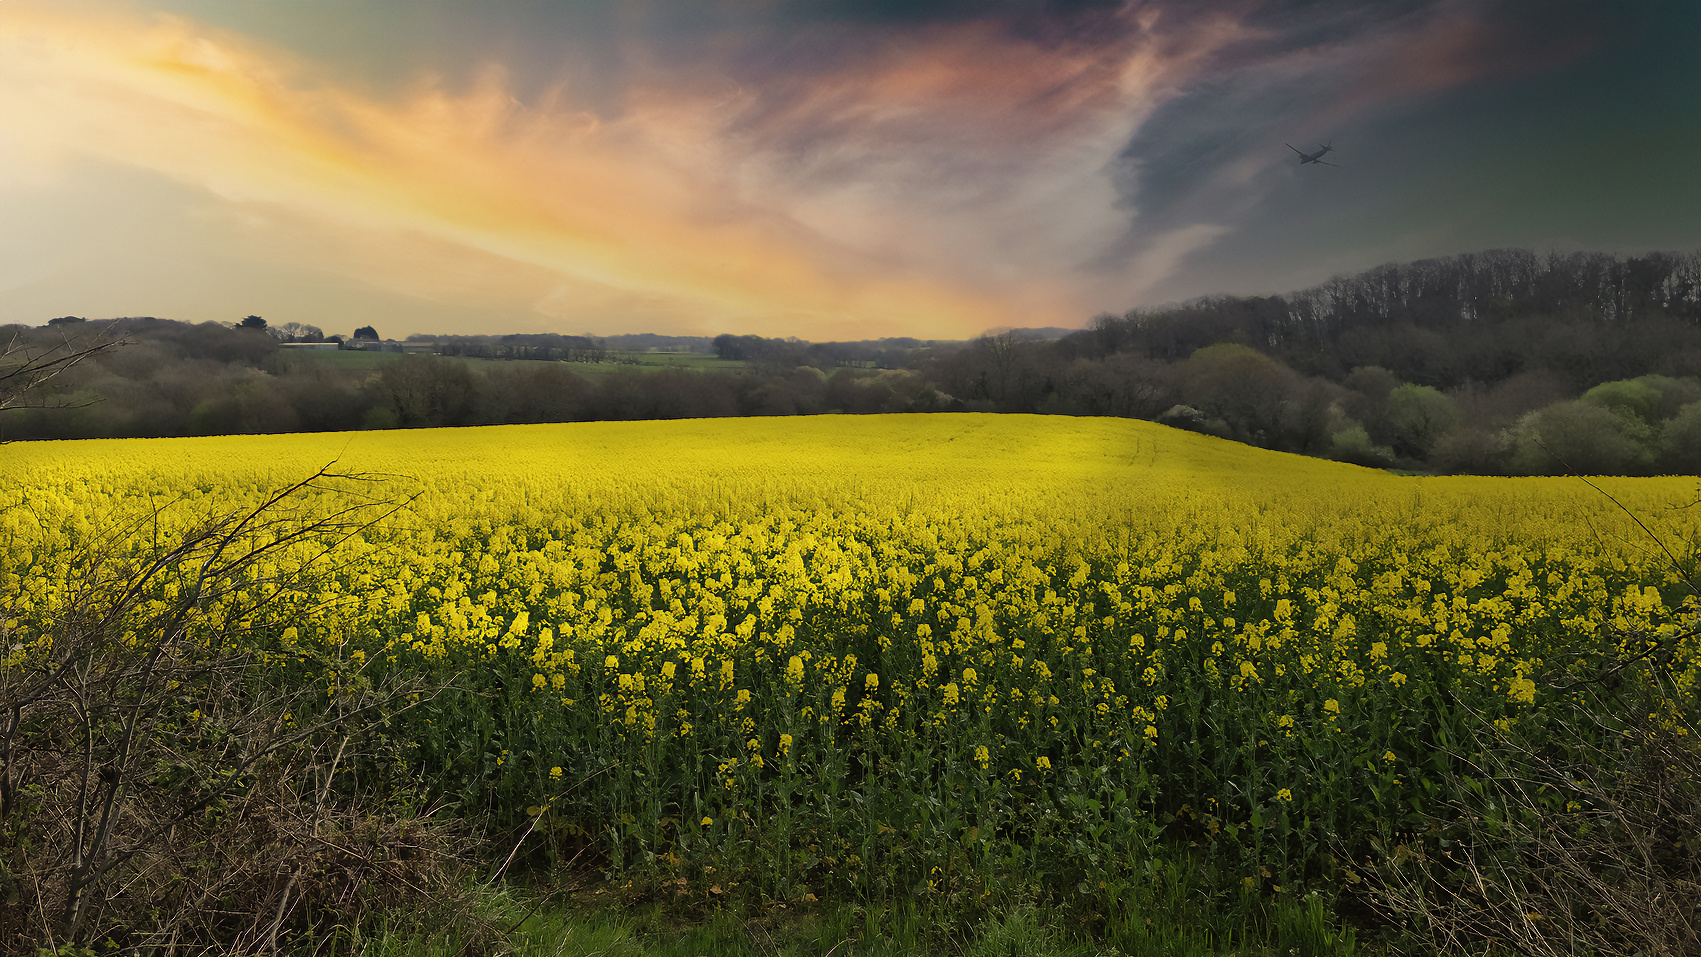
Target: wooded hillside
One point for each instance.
(1505, 361)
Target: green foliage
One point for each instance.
(1352, 444)
(1583, 438)
(1649, 399)
(1471, 450)
(1418, 415)
(1241, 386)
(611, 920)
(1680, 441)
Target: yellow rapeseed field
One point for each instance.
(905, 654)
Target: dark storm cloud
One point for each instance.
(1310, 73)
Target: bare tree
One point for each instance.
(168, 760)
(167, 757)
(28, 366)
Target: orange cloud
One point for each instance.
(669, 211)
(951, 180)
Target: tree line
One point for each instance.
(1500, 362)
(168, 378)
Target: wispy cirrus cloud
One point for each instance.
(1305, 73)
(826, 170)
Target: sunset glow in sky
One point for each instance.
(829, 170)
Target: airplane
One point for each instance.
(1316, 157)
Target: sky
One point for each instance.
(826, 169)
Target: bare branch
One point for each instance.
(26, 368)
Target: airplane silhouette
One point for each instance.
(1316, 157)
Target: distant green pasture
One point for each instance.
(649, 361)
(340, 359)
(617, 362)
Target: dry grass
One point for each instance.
(1586, 840)
(167, 786)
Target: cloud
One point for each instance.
(817, 169)
(1303, 73)
(622, 210)
(963, 148)
(935, 179)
